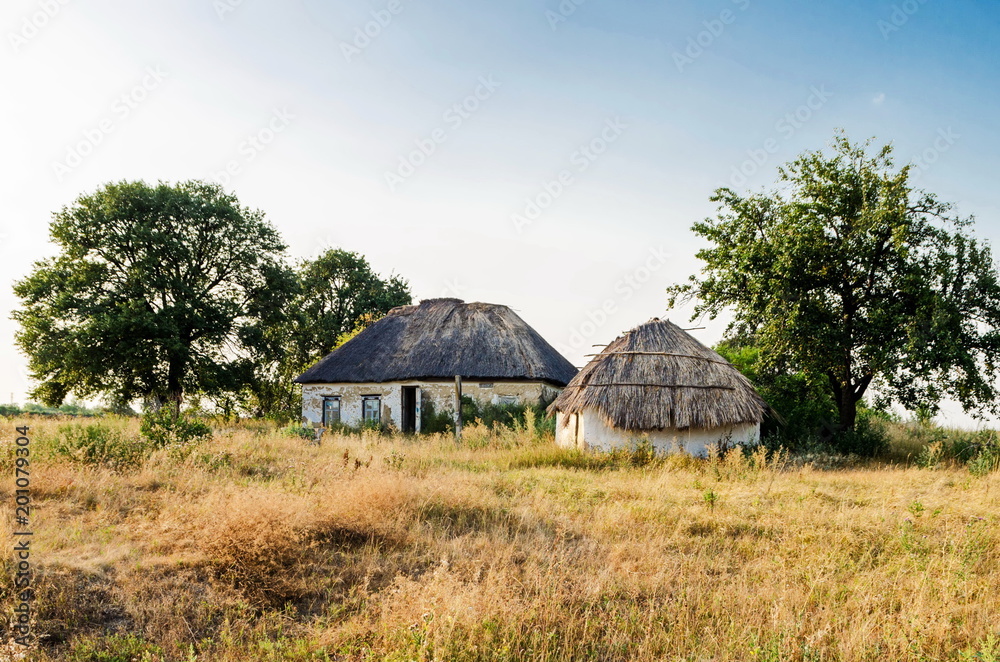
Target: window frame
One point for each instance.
(365, 399)
(340, 409)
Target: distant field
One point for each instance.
(258, 546)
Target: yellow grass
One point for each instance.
(258, 546)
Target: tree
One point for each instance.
(338, 291)
(849, 275)
(804, 405)
(151, 294)
(332, 298)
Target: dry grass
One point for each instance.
(256, 546)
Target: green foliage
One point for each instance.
(115, 648)
(849, 276)
(325, 303)
(100, 444)
(866, 439)
(163, 429)
(432, 421)
(804, 405)
(986, 460)
(977, 450)
(151, 295)
(512, 416)
(65, 409)
(339, 292)
(301, 431)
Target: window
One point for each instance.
(486, 385)
(331, 411)
(506, 400)
(372, 409)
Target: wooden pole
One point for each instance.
(458, 408)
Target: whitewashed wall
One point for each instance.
(589, 431)
(441, 394)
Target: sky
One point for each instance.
(548, 155)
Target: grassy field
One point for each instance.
(257, 546)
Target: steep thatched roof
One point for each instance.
(442, 338)
(657, 376)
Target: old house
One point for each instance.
(657, 382)
(390, 372)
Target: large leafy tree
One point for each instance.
(151, 295)
(849, 275)
(332, 297)
(338, 291)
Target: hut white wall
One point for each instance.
(589, 431)
(440, 394)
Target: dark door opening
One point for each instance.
(409, 409)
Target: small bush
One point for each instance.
(100, 444)
(301, 431)
(867, 439)
(986, 460)
(163, 429)
(433, 421)
(979, 450)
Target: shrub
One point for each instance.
(979, 450)
(9, 410)
(432, 421)
(301, 431)
(164, 429)
(867, 439)
(100, 444)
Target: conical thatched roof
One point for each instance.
(657, 376)
(442, 338)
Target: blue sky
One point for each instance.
(614, 121)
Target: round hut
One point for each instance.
(657, 382)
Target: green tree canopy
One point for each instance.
(338, 291)
(151, 294)
(331, 298)
(848, 274)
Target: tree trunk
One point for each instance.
(848, 407)
(175, 391)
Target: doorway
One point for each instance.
(411, 409)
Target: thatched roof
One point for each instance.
(442, 338)
(657, 376)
